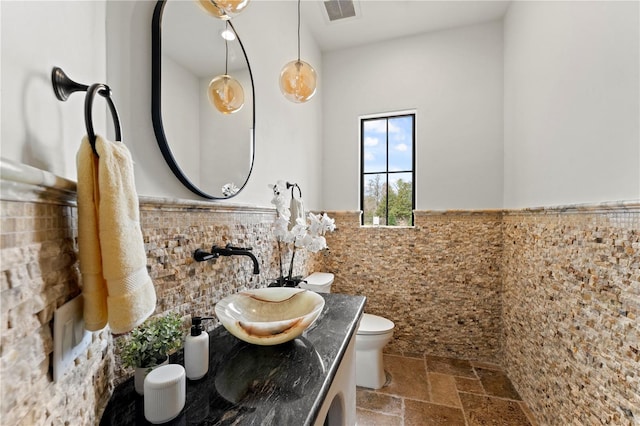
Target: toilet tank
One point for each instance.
(320, 282)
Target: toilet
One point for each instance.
(320, 282)
(373, 333)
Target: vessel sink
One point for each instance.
(269, 316)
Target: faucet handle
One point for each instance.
(230, 247)
(200, 255)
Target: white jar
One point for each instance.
(165, 390)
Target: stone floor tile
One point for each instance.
(408, 378)
(464, 384)
(497, 383)
(486, 365)
(415, 395)
(455, 367)
(418, 413)
(374, 401)
(527, 411)
(481, 410)
(443, 389)
(413, 355)
(389, 351)
(371, 418)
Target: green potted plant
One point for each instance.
(150, 344)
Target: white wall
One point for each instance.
(571, 90)
(38, 129)
(43, 132)
(226, 139)
(454, 80)
(571, 103)
(288, 135)
(182, 88)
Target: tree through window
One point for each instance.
(387, 190)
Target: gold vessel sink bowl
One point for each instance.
(269, 316)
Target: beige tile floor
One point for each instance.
(442, 391)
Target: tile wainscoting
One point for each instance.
(571, 281)
(439, 281)
(39, 273)
(553, 295)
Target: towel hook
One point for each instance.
(63, 86)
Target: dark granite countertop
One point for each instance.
(258, 385)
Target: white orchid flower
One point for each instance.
(315, 244)
(299, 229)
(314, 224)
(280, 224)
(284, 212)
(328, 224)
(229, 189)
(288, 237)
(280, 196)
(305, 241)
(279, 201)
(309, 236)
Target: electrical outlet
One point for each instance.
(70, 339)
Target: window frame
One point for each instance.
(387, 172)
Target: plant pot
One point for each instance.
(141, 373)
(287, 282)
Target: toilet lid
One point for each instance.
(373, 324)
(319, 278)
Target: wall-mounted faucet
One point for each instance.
(228, 250)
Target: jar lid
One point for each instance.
(164, 376)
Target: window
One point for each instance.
(387, 169)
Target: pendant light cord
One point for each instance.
(226, 49)
(298, 30)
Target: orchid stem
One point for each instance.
(293, 256)
(280, 258)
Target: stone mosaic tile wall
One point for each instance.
(572, 313)
(38, 274)
(439, 282)
(173, 232)
(554, 296)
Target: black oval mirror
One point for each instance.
(211, 153)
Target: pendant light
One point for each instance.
(225, 92)
(223, 9)
(298, 78)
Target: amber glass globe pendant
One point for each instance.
(225, 92)
(298, 78)
(223, 9)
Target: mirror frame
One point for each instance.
(156, 106)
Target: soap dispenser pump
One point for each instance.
(196, 350)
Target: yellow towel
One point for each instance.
(116, 286)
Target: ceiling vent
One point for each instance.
(340, 9)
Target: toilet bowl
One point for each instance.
(373, 333)
(320, 282)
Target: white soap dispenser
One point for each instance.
(196, 350)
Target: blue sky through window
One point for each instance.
(400, 136)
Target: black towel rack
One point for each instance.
(63, 86)
(293, 186)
